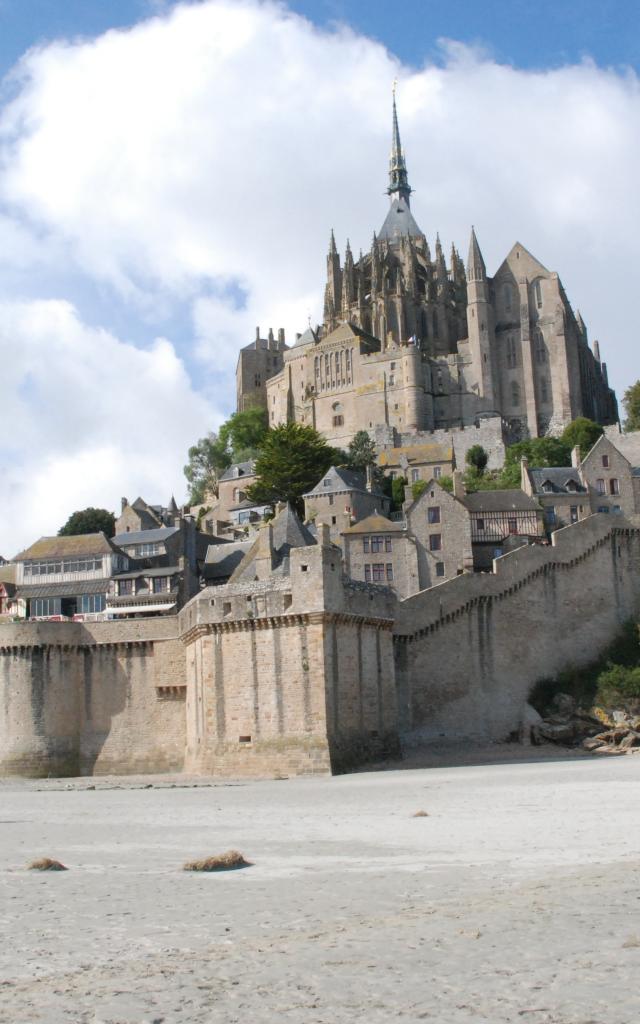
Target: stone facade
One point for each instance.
(257, 363)
(409, 343)
(441, 526)
(343, 497)
(294, 669)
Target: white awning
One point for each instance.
(130, 609)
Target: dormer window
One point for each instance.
(547, 487)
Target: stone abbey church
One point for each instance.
(413, 345)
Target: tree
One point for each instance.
(362, 451)
(582, 432)
(89, 520)
(539, 451)
(477, 458)
(418, 488)
(243, 433)
(208, 459)
(292, 459)
(631, 403)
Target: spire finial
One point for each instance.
(398, 181)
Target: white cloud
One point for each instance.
(201, 158)
(87, 418)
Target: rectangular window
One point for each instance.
(377, 544)
(435, 542)
(600, 487)
(605, 461)
(433, 515)
(392, 380)
(439, 568)
(338, 421)
(415, 475)
(125, 587)
(614, 486)
(91, 603)
(160, 584)
(365, 545)
(513, 525)
(367, 574)
(389, 572)
(603, 508)
(616, 510)
(378, 572)
(387, 543)
(43, 606)
(437, 472)
(480, 525)
(550, 515)
(331, 499)
(573, 513)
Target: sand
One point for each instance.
(516, 899)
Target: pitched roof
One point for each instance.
(239, 469)
(67, 547)
(309, 337)
(559, 477)
(416, 454)
(627, 444)
(63, 589)
(7, 573)
(223, 559)
(336, 479)
(145, 536)
(287, 532)
(399, 221)
(375, 524)
(500, 501)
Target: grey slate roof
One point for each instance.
(163, 570)
(398, 222)
(63, 589)
(238, 470)
(339, 480)
(500, 501)
(308, 338)
(223, 559)
(145, 536)
(559, 477)
(288, 532)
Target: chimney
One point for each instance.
(257, 337)
(525, 483)
(324, 535)
(264, 554)
(281, 337)
(576, 460)
(369, 484)
(458, 485)
(123, 504)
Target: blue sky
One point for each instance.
(167, 187)
(545, 34)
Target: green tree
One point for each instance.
(89, 520)
(631, 403)
(361, 452)
(243, 433)
(446, 482)
(477, 458)
(582, 432)
(540, 452)
(473, 480)
(208, 460)
(418, 488)
(292, 459)
(398, 485)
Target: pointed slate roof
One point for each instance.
(399, 221)
(288, 532)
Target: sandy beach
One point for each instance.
(516, 898)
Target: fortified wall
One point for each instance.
(469, 651)
(305, 672)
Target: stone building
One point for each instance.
(414, 344)
(561, 491)
(418, 462)
(343, 497)
(440, 524)
(379, 551)
(613, 483)
(257, 363)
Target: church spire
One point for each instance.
(476, 270)
(399, 187)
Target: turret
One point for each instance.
(333, 291)
(348, 289)
(480, 324)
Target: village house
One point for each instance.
(440, 524)
(613, 482)
(417, 462)
(560, 490)
(343, 497)
(67, 576)
(378, 551)
(9, 605)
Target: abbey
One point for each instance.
(413, 345)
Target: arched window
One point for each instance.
(507, 296)
(512, 352)
(540, 347)
(515, 393)
(537, 291)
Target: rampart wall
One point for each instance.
(469, 651)
(91, 698)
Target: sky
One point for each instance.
(170, 173)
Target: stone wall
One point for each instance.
(469, 651)
(91, 698)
